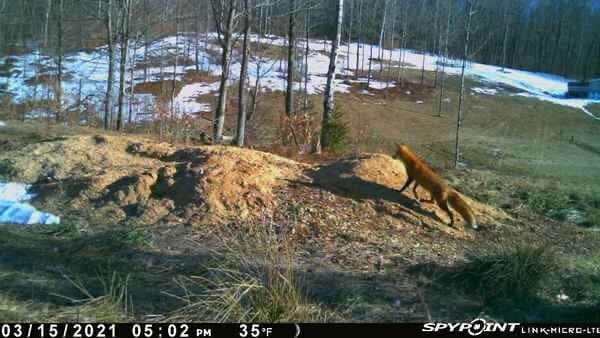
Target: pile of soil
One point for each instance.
(125, 177)
(112, 179)
(378, 177)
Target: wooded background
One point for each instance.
(556, 36)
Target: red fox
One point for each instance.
(419, 173)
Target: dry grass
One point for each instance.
(160, 89)
(516, 273)
(252, 279)
(193, 76)
(111, 305)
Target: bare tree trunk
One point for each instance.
(47, 23)
(329, 103)
(370, 74)
(423, 67)
(219, 123)
(59, 90)
(289, 94)
(146, 39)
(382, 32)
(444, 60)
(126, 17)
(111, 66)
(358, 43)
(130, 97)
(206, 29)
(462, 80)
(197, 40)
(505, 42)
(224, 13)
(403, 44)
(306, 55)
(350, 35)
(256, 90)
(389, 63)
(436, 41)
(241, 123)
(176, 63)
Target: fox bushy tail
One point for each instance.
(460, 205)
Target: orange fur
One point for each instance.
(419, 173)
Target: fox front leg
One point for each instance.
(408, 182)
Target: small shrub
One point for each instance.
(511, 273)
(65, 230)
(336, 131)
(132, 237)
(592, 218)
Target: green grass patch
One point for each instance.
(516, 273)
(594, 109)
(131, 236)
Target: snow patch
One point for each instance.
(186, 102)
(573, 103)
(13, 210)
(87, 72)
(485, 91)
(2, 124)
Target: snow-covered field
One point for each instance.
(87, 73)
(14, 210)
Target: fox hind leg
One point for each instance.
(444, 206)
(430, 200)
(416, 193)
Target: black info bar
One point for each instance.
(478, 327)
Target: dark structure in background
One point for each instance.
(585, 89)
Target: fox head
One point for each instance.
(402, 152)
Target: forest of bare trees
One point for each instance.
(555, 36)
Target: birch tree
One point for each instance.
(329, 102)
(469, 17)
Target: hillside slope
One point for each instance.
(161, 207)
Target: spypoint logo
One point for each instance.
(475, 328)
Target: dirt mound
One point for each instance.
(216, 183)
(378, 168)
(67, 158)
(378, 177)
(132, 177)
(128, 178)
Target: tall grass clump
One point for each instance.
(110, 304)
(251, 280)
(516, 273)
